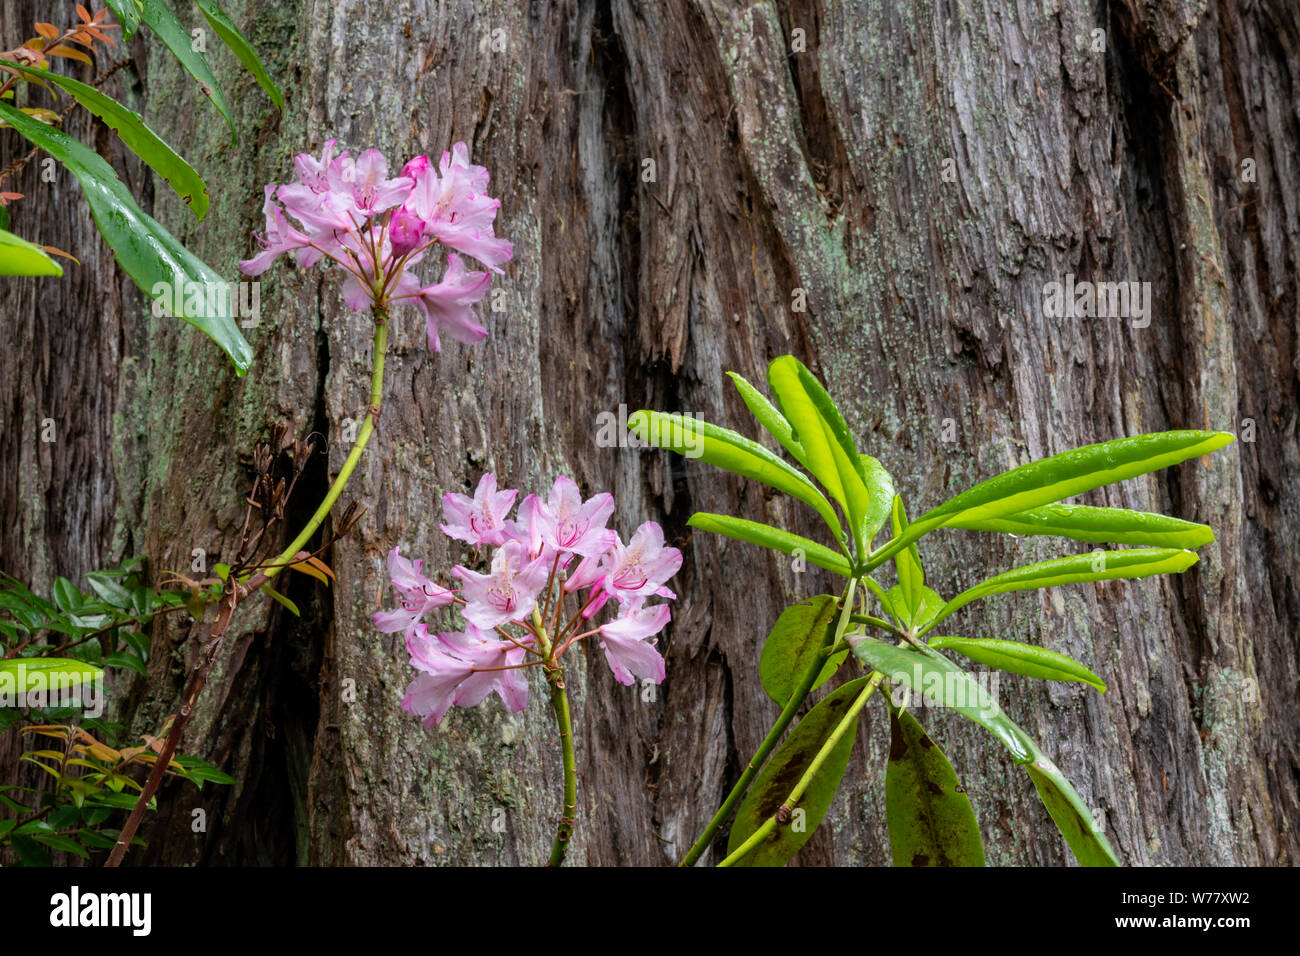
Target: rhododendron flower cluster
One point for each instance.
(377, 229)
(556, 565)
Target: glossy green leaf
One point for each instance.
(137, 137)
(56, 841)
(1097, 525)
(774, 538)
(238, 43)
(769, 417)
(1097, 566)
(18, 257)
(880, 492)
(1017, 658)
(130, 661)
(66, 595)
(784, 770)
(127, 13)
(108, 589)
(159, 18)
(927, 608)
(925, 671)
(733, 452)
(795, 640)
(1060, 476)
(44, 673)
(820, 429)
(911, 577)
(931, 821)
(148, 253)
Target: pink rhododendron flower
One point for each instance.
(462, 669)
(416, 593)
(628, 647)
(509, 592)
(639, 570)
(569, 524)
(479, 520)
(522, 596)
(377, 228)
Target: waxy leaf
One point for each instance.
(931, 821)
(880, 491)
(1097, 525)
(797, 637)
(911, 577)
(774, 538)
(44, 673)
(784, 770)
(1060, 476)
(1017, 658)
(820, 429)
(1098, 566)
(147, 252)
(18, 257)
(928, 607)
(230, 35)
(128, 15)
(769, 417)
(137, 137)
(162, 21)
(735, 453)
(925, 671)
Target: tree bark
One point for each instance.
(884, 190)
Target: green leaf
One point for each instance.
(794, 641)
(66, 596)
(1097, 525)
(280, 599)
(820, 429)
(911, 577)
(128, 15)
(162, 21)
(229, 33)
(44, 673)
(148, 253)
(735, 453)
(129, 661)
(1017, 658)
(137, 137)
(941, 682)
(199, 771)
(895, 603)
(30, 853)
(931, 821)
(880, 490)
(103, 584)
(770, 418)
(775, 538)
(1098, 566)
(18, 257)
(56, 841)
(784, 770)
(95, 840)
(1060, 476)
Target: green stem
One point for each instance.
(367, 429)
(560, 704)
(774, 735)
(810, 774)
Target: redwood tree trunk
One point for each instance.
(883, 189)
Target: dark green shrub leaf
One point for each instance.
(784, 770)
(931, 821)
(794, 641)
